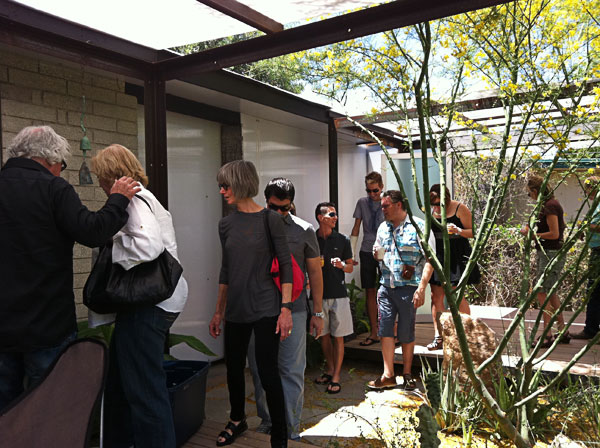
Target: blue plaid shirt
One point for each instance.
(411, 253)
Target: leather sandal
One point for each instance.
(409, 382)
(236, 430)
(436, 344)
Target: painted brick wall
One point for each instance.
(43, 92)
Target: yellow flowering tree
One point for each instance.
(541, 59)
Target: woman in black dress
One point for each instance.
(459, 228)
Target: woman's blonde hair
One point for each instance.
(116, 161)
(241, 176)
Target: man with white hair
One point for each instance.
(41, 217)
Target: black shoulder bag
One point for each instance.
(110, 288)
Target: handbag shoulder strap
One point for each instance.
(268, 232)
(398, 250)
(145, 201)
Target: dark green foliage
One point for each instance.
(314, 353)
(428, 427)
(433, 388)
(190, 341)
(282, 71)
(104, 333)
(358, 305)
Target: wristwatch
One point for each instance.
(321, 314)
(288, 305)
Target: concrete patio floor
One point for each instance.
(353, 417)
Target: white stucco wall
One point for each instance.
(194, 157)
(277, 149)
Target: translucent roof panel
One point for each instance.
(161, 24)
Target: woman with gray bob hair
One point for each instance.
(248, 301)
(241, 176)
(40, 142)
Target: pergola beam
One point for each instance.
(245, 14)
(396, 14)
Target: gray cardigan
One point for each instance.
(245, 268)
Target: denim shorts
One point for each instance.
(552, 276)
(369, 268)
(394, 302)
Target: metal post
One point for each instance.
(155, 123)
(333, 164)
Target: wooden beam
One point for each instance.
(245, 14)
(392, 15)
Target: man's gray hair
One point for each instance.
(39, 141)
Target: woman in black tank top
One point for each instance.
(459, 228)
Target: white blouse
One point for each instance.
(149, 231)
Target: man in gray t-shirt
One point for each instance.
(303, 244)
(368, 212)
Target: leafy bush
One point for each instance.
(358, 305)
(502, 271)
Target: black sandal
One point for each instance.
(325, 378)
(236, 430)
(548, 341)
(334, 388)
(367, 342)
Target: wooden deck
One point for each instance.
(207, 435)
(498, 319)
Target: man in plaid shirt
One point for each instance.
(405, 273)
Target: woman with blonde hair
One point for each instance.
(248, 301)
(137, 410)
(548, 237)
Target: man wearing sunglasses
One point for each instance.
(405, 272)
(368, 212)
(302, 241)
(336, 256)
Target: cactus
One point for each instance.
(433, 390)
(428, 427)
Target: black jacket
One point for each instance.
(41, 216)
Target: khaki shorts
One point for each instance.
(338, 317)
(552, 276)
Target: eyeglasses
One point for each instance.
(437, 204)
(283, 208)
(331, 214)
(374, 190)
(223, 186)
(63, 165)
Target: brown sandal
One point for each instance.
(436, 344)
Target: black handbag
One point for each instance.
(110, 288)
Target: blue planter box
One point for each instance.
(186, 382)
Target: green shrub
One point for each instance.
(502, 270)
(358, 305)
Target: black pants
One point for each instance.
(237, 337)
(592, 315)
